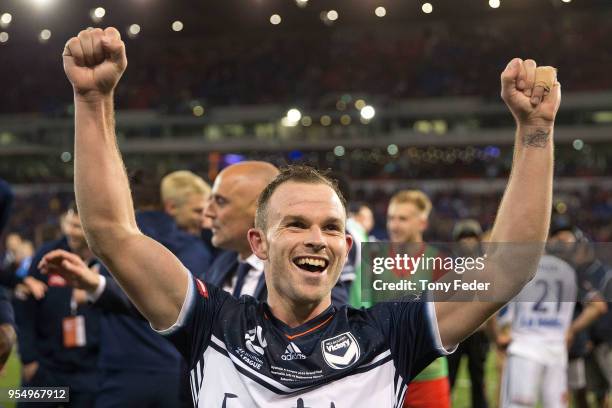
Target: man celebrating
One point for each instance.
(296, 349)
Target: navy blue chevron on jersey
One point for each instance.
(240, 355)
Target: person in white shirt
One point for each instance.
(542, 327)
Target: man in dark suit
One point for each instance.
(232, 212)
(59, 333)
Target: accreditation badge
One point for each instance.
(74, 331)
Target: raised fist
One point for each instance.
(531, 103)
(94, 61)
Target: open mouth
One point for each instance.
(311, 264)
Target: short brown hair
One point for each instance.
(416, 197)
(298, 174)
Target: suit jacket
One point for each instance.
(226, 265)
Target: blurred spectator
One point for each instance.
(59, 333)
(12, 244)
(184, 197)
(7, 318)
(468, 233)
(126, 373)
(359, 224)
(599, 358)
(7, 327)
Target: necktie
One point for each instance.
(243, 270)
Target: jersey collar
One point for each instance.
(310, 326)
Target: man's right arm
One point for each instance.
(152, 276)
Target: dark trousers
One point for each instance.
(45, 377)
(475, 348)
(137, 388)
(77, 400)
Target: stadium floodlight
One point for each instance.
(566, 1)
(4, 36)
(294, 115)
(42, 3)
(494, 3)
(99, 12)
(44, 35)
(275, 19)
(301, 3)
(177, 26)
(367, 112)
(427, 8)
(380, 11)
(332, 15)
(5, 20)
(133, 30)
(578, 144)
(198, 111)
(288, 123)
(66, 157)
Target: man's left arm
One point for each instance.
(524, 214)
(594, 306)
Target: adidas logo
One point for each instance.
(292, 352)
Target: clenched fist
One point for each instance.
(94, 61)
(530, 102)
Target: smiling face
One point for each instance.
(304, 244)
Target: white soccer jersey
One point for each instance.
(542, 312)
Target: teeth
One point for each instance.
(311, 261)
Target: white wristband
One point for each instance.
(95, 295)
